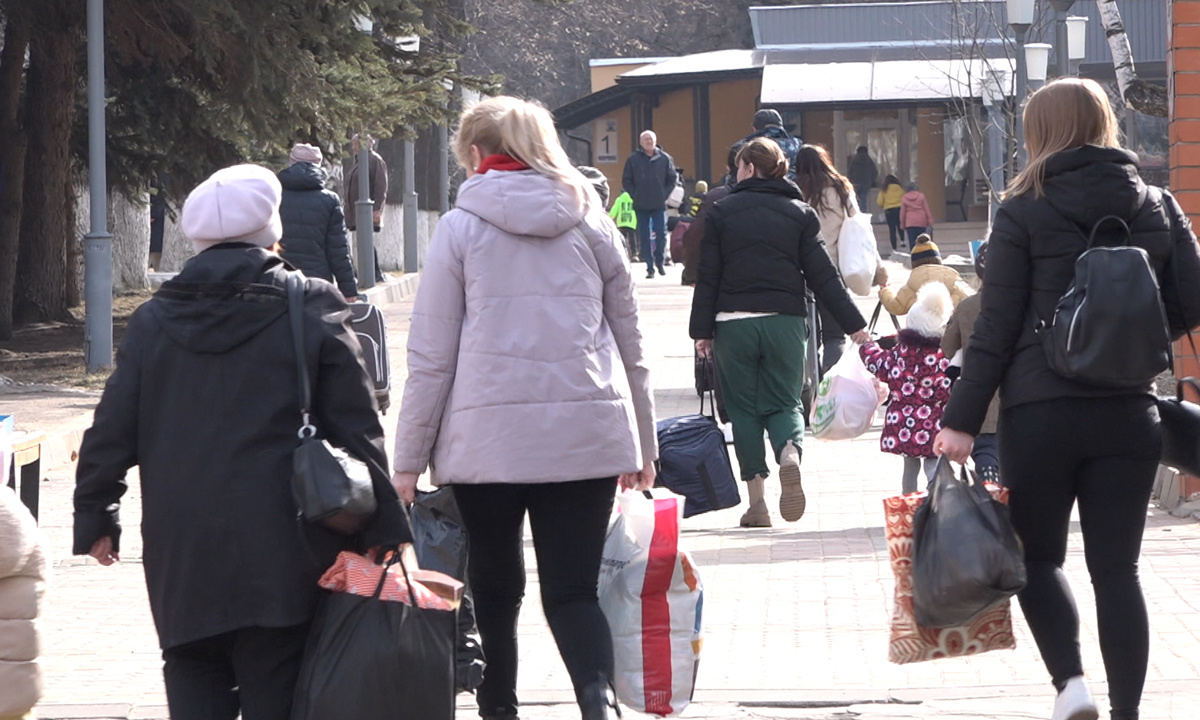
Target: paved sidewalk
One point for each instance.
(795, 616)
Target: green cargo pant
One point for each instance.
(760, 364)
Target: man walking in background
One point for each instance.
(377, 189)
(863, 175)
(649, 178)
(768, 124)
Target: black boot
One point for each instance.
(595, 700)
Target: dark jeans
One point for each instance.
(1101, 453)
(893, 221)
(833, 339)
(861, 194)
(252, 670)
(652, 248)
(912, 233)
(569, 521)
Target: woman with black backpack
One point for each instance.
(1068, 440)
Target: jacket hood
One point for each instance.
(912, 196)
(1086, 183)
(303, 176)
(523, 202)
(773, 132)
(781, 186)
(223, 297)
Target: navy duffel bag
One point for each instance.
(694, 462)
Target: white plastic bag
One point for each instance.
(858, 256)
(650, 591)
(847, 399)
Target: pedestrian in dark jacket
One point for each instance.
(863, 174)
(649, 178)
(695, 231)
(760, 253)
(314, 225)
(1065, 441)
(204, 401)
(768, 124)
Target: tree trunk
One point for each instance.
(12, 162)
(44, 267)
(1138, 94)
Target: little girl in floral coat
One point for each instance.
(914, 369)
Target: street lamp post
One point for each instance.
(994, 92)
(97, 248)
(412, 258)
(1037, 63)
(1062, 63)
(1020, 18)
(364, 208)
(1076, 42)
(364, 218)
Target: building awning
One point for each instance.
(700, 67)
(881, 81)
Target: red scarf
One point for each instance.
(500, 162)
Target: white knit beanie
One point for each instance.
(235, 204)
(931, 310)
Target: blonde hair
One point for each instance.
(522, 130)
(766, 157)
(1068, 113)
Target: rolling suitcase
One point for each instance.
(694, 462)
(366, 320)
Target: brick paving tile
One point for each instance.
(795, 615)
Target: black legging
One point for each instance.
(569, 521)
(833, 339)
(893, 223)
(1103, 453)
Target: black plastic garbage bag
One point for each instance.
(966, 555)
(371, 659)
(441, 543)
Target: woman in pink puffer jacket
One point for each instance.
(915, 215)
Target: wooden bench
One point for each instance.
(27, 466)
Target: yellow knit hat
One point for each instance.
(925, 252)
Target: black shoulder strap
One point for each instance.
(295, 292)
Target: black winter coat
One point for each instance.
(314, 227)
(649, 179)
(1032, 251)
(760, 252)
(205, 401)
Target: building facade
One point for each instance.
(904, 79)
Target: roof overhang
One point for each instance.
(882, 81)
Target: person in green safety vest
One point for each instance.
(624, 216)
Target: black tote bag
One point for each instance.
(1181, 429)
(370, 659)
(966, 555)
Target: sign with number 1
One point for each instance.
(606, 142)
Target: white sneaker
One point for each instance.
(1075, 702)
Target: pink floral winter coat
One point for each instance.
(915, 372)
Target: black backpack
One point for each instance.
(1110, 327)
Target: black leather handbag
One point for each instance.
(1181, 429)
(331, 488)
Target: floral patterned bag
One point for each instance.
(909, 641)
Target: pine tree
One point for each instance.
(193, 85)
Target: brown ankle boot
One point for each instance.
(758, 515)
